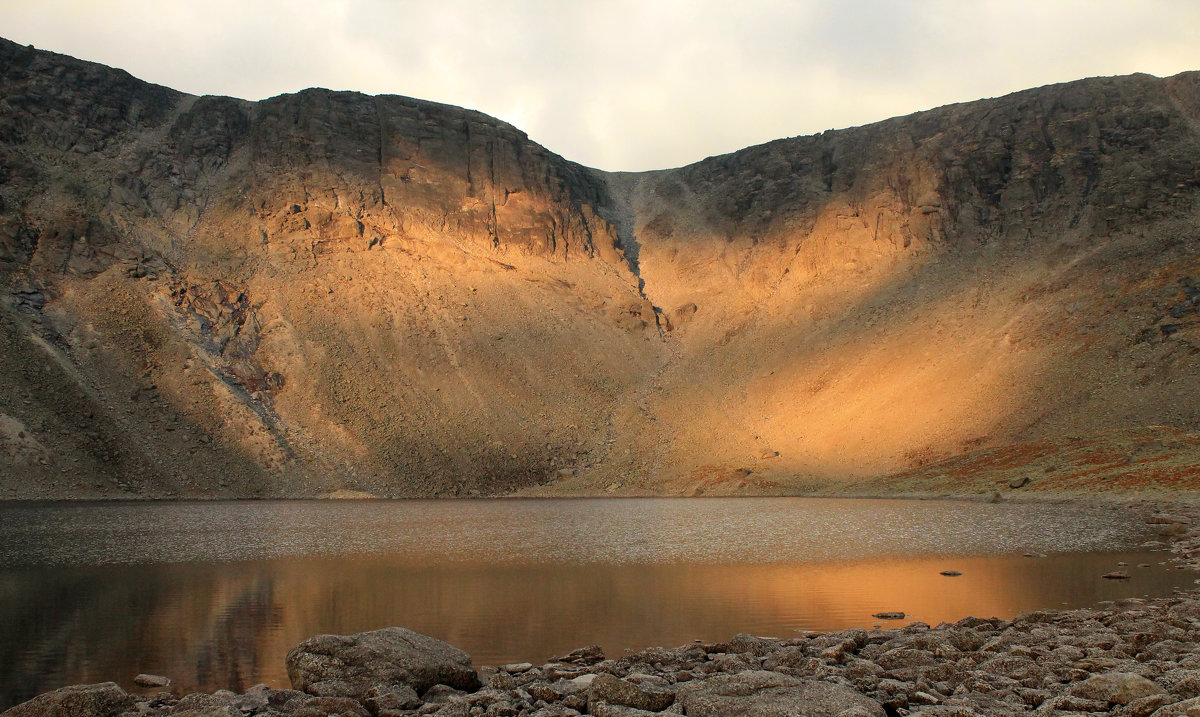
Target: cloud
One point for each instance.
(625, 84)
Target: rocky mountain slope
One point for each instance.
(333, 293)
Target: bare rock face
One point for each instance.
(101, 700)
(367, 664)
(770, 694)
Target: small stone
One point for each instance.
(397, 697)
(1116, 575)
(950, 573)
(890, 615)
(583, 681)
(589, 655)
(1146, 706)
(516, 667)
(1020, 482)
(922, 698)
(145, 680)
(328, 706)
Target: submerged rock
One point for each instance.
(353, 665)
(589, 655)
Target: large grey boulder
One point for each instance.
(757, 693)
(106, 699)
(352, 665)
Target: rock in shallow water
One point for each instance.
(145, 680)
(352, 665)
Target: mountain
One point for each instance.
(331, 293)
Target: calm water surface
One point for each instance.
(214, 594)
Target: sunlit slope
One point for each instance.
(333, 293)
(873, 299)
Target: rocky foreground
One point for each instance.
(1136, 657)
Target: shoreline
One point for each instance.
(1138, 496)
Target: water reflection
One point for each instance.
(213, 624)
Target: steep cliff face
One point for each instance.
(327, 291)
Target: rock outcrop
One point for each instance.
(330, 293)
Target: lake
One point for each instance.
(213, 594)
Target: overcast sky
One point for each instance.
(627, 84)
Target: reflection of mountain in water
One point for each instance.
(213, 626)
(204, 626)
(230, 651)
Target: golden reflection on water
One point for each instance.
(229, 625)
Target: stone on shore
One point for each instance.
(396, 697)
(1186, 708)
(614, 690)
(757, 693)
(353, 665)
(329, 706)
(145, 680)
(1118, 688)
(106, 699)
